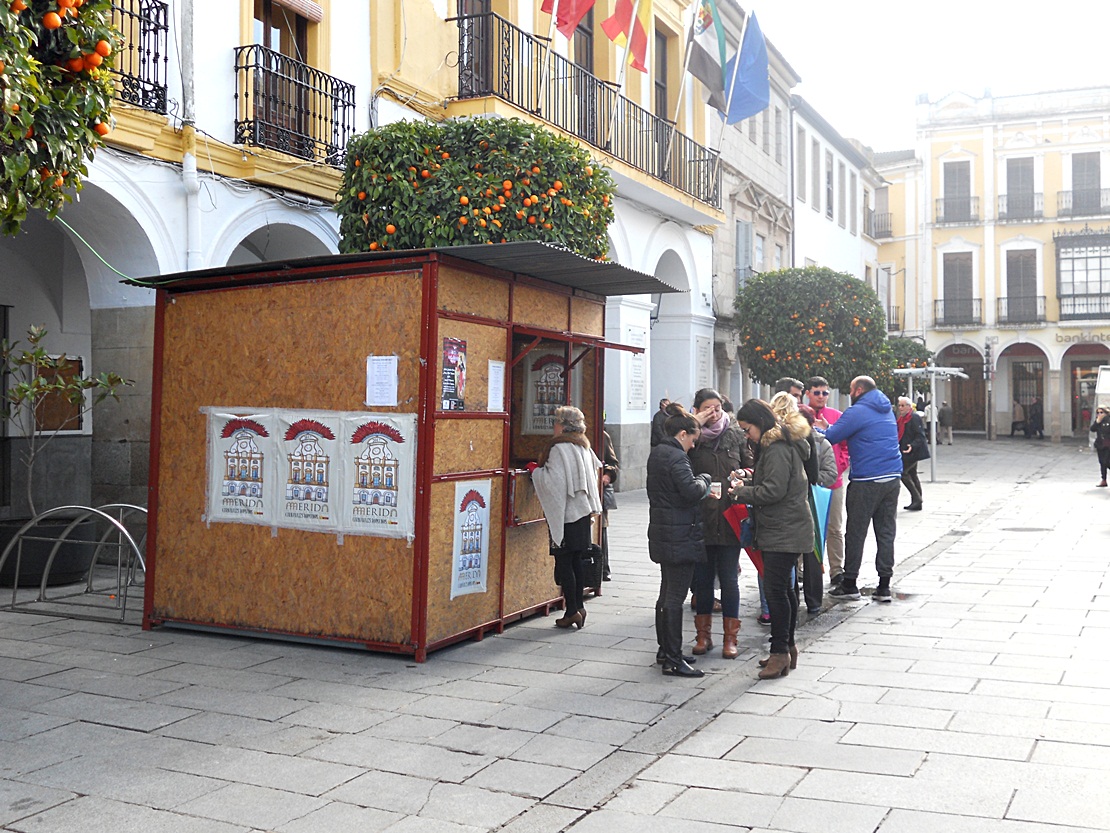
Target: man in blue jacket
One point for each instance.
(871, 431)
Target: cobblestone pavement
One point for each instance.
(978, 702)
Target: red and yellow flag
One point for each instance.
(631, 33)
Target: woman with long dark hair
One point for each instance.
(778, 492)
(566, 483)
(675, 539)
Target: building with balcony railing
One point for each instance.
(1029, 276)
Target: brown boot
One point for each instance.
(793, 658)
(703, 623)
(732, 629)
(778, 665)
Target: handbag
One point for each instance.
(608, 497)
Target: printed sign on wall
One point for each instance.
(471, 549)
(310, 466)
(454, 374)
(380, 470)
(240, 481)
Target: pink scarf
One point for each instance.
(714, 430)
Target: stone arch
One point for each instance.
(270, 231)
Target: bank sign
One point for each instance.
(321, 471)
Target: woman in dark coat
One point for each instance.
(721, 449)
(914, 448)
(1101, 429)
(778, 492)
(675, 539)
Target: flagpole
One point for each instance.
(624, 69)
(547, 57)
(681, 91)
(731, 90)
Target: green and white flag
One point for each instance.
(707, 52)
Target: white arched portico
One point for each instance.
(273, 231)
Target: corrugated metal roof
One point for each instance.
(532, 258)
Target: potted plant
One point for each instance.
(46, 395)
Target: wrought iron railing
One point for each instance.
(1028, 206)
(879, 225)
(958, 312)
(286, 105)
(1078, 307)
(894, 321)
(957, 209)
(140, 65)
(499, 59)
(1082, 202)
(1021, 309)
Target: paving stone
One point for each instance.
(473, 806)
(803, 815)
(610, 707)
(108, 684)
(27, 801)
(414, 824)
(422, 761)
(338, 816)
(916, 821)
(333, 718)
(562, 751)
(410, 727)
(18, 724)
(282, 772)
(842, 756)
(970, 797)
(247, 733)
(721, 807)
(599, 729)
(543, 819)
(484, 740)
(724, 775)
(612, 821)
(245, 704)
(250, 806)
(522, 778)
(220, 678)
(90, 814)
(111, 711)
(485, 692)
(556, 681)
(451, 708)
(931, 740)
(401, 794)
(525, 718)
(118, 781)
(644, 797)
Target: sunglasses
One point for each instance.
(818, 393)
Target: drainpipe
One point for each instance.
(189, 176)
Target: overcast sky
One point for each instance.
(864, 62)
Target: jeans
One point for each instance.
(870, 503)
(723, 565)
(912, 482)
(782, 599)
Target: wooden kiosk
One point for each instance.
(338, 443)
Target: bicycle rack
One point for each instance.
(70, 603)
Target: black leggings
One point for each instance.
(1104, 460)
(570, 572)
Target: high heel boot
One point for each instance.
(703, 624)
(793, 658)
(674, 665)
(778, 665)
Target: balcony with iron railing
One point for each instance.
(1028, 206)
(499, 59)
(1083, 202)
(289, 106)
(1084, 307)
(894, 320)
(1021, 309)
(879, 225)
(958, 312)
(140, 64)
(957, 209)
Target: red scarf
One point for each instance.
(902, 422)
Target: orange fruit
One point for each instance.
(547, 225)
(103, 48)
(520, 215)
(464, 199)
(51, 20)
(507, 185)
(390, 229)
(362, 195)
(535, 169)
(531, 221)
(65, 4)
(445, 155)
(373, 245)
(463, 221)
(1, 67)
(589, 171)
(557, 185)
(75, 64)
(58, 182)
(18, 6)
(101, 128)
(425, 173)
(482, 223)
(93, 60)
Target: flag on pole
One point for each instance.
(748, 74)
(707, 52)
(568, 15)
(630, 33)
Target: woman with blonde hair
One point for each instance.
(565, 479)
(778, 492)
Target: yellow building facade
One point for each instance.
(998, 250)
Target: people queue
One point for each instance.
(703, 467)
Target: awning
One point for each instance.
(534, 259)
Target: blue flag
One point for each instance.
(751, 83)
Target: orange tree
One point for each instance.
(413, 185)
(904, 352)
(55, 100)
(811, 322)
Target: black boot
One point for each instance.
(674, 664)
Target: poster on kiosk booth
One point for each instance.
(379, 486)
(471, 548)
